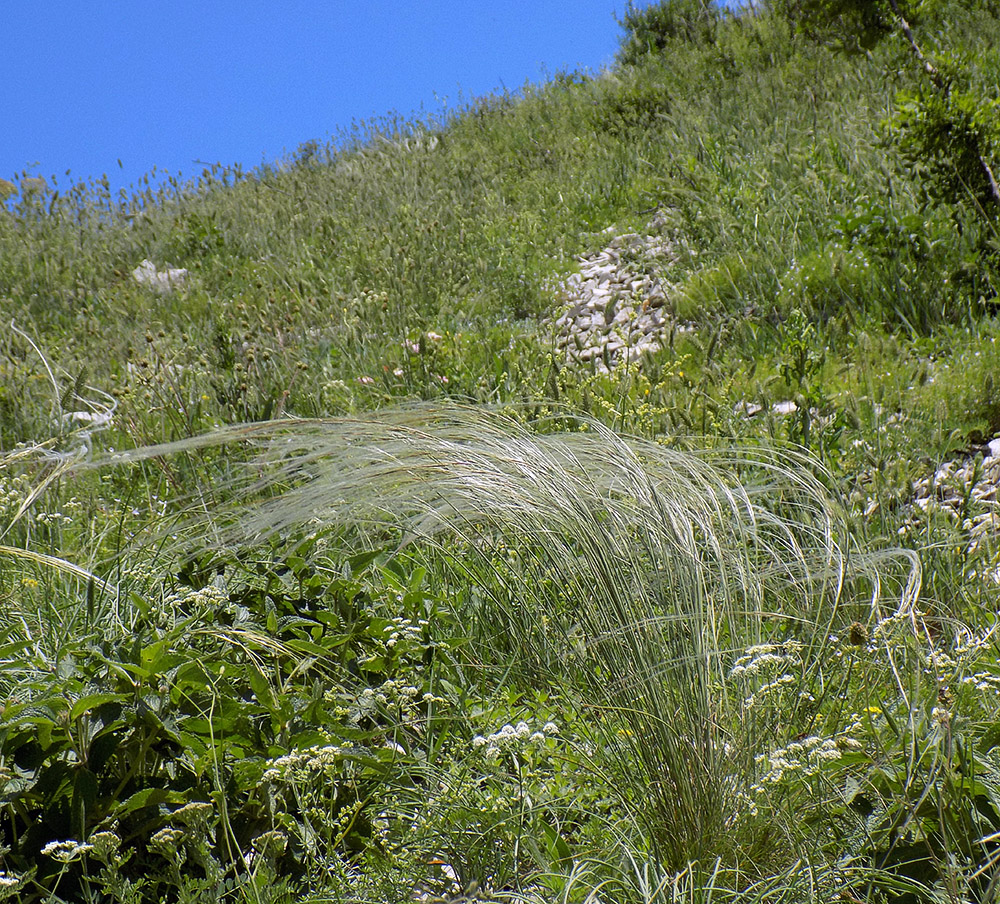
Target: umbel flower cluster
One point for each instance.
(765, 669)
(66, 851)
(512, 738)
(805, 757)
(304, 764)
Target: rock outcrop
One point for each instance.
(162, 281)
(615, 309)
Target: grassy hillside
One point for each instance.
(339, 572)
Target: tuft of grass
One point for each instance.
(629, 573)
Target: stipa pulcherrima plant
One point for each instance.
(632, 574)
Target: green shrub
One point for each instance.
(854, 25)
(948, 133)
(212, 724)
(650, 29)
(829, 283)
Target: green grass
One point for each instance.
(325, 578)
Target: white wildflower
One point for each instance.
(270, 845)
(105, 845)
(166, 841)
(66, 851)
(195, 813)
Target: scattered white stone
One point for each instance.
(610, 312)
(949, 488)
(748, 409)
(162, 281)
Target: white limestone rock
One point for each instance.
(162, 281)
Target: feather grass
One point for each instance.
(630, 571)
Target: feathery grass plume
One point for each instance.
(632, 571)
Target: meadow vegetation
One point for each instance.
(328, 577)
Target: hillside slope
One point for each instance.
(762, 154)
(589, 496)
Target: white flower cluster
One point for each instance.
(10, 884)
(804, 758)
(967, 648)
(195, 814)
(969, 644)
(15, 490)
(166, 842)
(303, 765)
(53, 519)
(769, 658)
(390, 691)
(941, 715)
(900, 620)
(9, 881)
(940, 663)
(765, 690)
(404, 629)
(212, 598)
(983, 681)
(142, 575)
(209, 596)
(270, 845)
(511, 738)
(763, 661)
(105, 846)
(402, 698)
(66, 851)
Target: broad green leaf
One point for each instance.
(148, 797)
(92, 701)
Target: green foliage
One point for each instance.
(650, 29)
(801, 370)
(948, 133)
(631, 103)
(966, 383)
(829, 282)
(577, 587)
(521, 661)
(945, 127)
(852, 25)
(215, 724)
(912, 785)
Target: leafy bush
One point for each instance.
(216, 724)
(631, 102)
(948, 133)
(853, 25)
(650, 29)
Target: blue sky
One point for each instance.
(164, 84)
